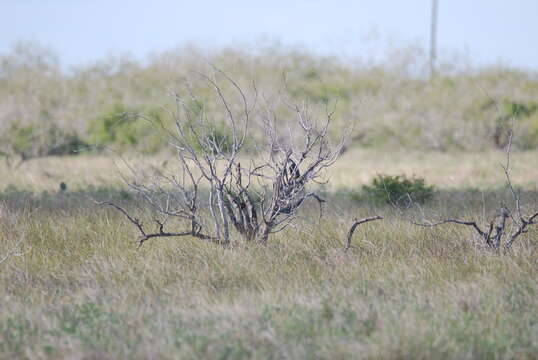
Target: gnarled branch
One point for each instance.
(356, 223)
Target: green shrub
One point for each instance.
(398, 189)
(20, 138)
(314, 87)
(112, 127)
(120, 126)
(31, 141)
(527, 138)
(527, 116)
(516, 109)
(123, 127)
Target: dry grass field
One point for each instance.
(77, 287)
(357, 167)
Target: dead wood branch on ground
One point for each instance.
(507, 224)
(356, 223)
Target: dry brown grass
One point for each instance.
(355, 168)
(445, 170)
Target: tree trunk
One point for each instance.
(224, 216)
(263, 235)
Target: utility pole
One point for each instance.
(433, 37)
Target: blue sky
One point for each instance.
(82, 31)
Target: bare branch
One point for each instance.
(505, 227)
(454, 221)
(161, 232)
(356, 223)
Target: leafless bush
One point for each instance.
(254, 191)
(507, 224)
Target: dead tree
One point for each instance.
(507, 224)
(252, 200)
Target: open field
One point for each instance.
(357, 167)
(77, 287)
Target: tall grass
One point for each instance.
(76, 286)
(81, 289)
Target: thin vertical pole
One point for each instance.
(433, 37)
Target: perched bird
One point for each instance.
(63, 187)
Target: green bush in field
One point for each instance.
(394, 189)
(21, 138)
(123, 127)
(112, 127)
(312, 86)
(120, 126)
(30, 141)
(520, 110)
(527, 116)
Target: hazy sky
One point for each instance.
(81, 31)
